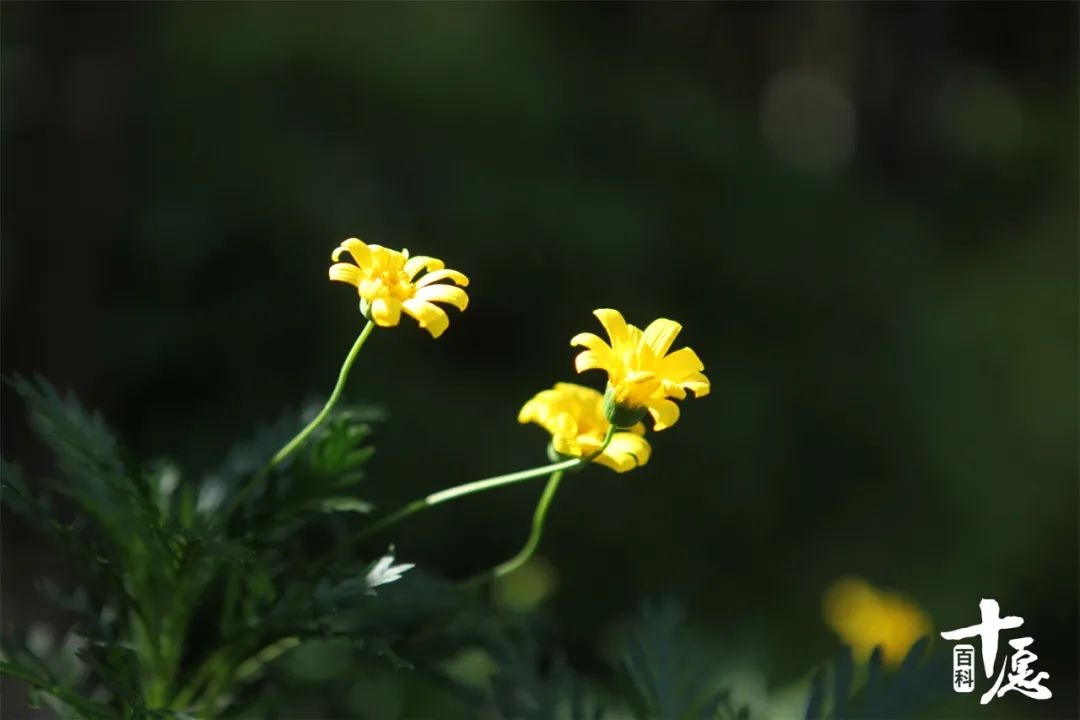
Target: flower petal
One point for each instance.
(565, 425)
(671, 389)
(664, 413)
(442, 274)
(681, 364)
(697, 384)
(386, 311)
(371, 289)
(431, 317)
(613, 322)
(450, 294)
(532, 411)
(598, 355)
(590, 341)
(589, 360)
(422, 262)
(392, 261)
(579, 395)
(359, 250)
(625, 452)
(660, 334)
(346, 272)
(683, 367)
(565, 444)
(635, 377)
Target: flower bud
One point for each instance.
(620, 415)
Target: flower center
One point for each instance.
(397, 283)
(632, 383)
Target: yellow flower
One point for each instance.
(865, 617)
(574, 416)
(387, 283)
(641, 373)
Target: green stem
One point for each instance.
(297, 441)
(346, 366)
(214, 666)
(487, 484)
(467, 489)
(539, 515)
(531, 544)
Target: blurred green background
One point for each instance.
(864, 215)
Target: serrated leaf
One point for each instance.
(918, 680)
(669, 677)
(84, 446)
(96, 476)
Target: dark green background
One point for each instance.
(865, 216)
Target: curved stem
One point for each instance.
(346, 366)
(301, 436)
(537, 532)
(467, 489)
(531, 544)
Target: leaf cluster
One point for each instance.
(920, 680)
(188, 588)
(665, 676)
(662, 675)
(192, 592)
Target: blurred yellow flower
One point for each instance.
(865, 617)
(526, 587)
(641, 373)
(574, 416)
(387, 283)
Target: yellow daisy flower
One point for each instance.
(641, 373)
(387, 282)
(865, 617)
(574, 416)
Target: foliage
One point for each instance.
(919, 681)
(189, 589)
(193, 591)
(897, 330)
(663, 677)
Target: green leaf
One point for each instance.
(117, 668)
(96, 477)
(919, 681)
(85, 706)
(84, 446)
(524, 690)
(670, 678)
(313, 483)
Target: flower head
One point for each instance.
(641, 373)
(384, 571)
(389, 281)
(574, 416)
(865, 617)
